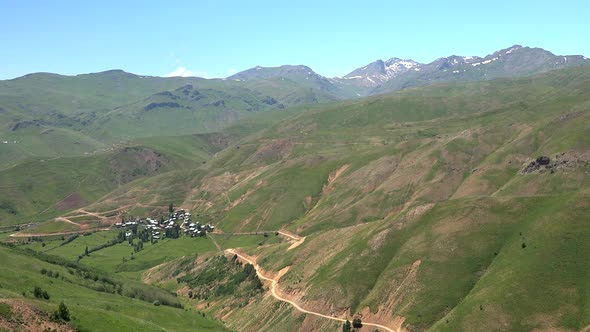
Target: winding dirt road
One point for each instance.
(273, 287)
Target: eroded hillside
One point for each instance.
(417, 207)
(444, 208)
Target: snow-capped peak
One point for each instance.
(381, 71)
(394, 66)
(512, 49)
(468, 59)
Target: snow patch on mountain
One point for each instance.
(512, 49)
(485, 62)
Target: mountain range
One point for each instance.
(449, 196)
(396, 74)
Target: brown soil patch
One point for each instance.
(72, 201)
(419, 210)
(26, 317)
(374, 174)
(275, 150)
(226, 182)
(296, 239)
(396, 295)
(61, 219)
(134, 162)
(332, 177)
(307, 202)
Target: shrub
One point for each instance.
(346, 327)
(357, 323)
(5, 311)
(39, 293)
(63, 312)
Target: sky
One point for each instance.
(218, 38)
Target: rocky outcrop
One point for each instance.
(538, 165)
(217, 103)
(26, 124)
(167, 94)
(151, 106)
(561, 162)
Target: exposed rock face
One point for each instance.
(217, 103)
(25, 124)
(561, 162)
(166, 94)
(539, 164)
(542, 160)
(571, 160)
(269, 100)
(151, 106)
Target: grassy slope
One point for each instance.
(458, 146)
(373, 244)
(51, 115)
(38, 190)
(457, 240)
(92, 310)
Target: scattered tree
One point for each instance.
(171, 207)
(40, 293)
(346, 327)
(86, 251)
(63, 312)
(357, 323)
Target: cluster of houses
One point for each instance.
(179, 219)
(190, 228)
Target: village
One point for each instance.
(177, 221)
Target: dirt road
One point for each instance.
(60, 233)
(273, 287)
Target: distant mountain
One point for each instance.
(287, 71)
(515, 61)
(380, 71)
(52, 115)
(84, 113)
(395, 74)
(299, 74)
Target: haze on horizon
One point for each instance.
(219, 39)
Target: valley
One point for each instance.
(429, 201)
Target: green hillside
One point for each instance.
(49, 115)
(91, 304)
(39, 190)
(459, 206)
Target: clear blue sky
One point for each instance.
(217, 38)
